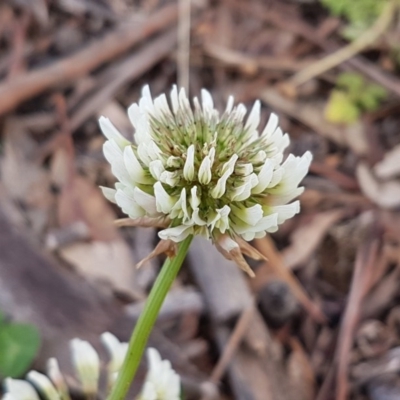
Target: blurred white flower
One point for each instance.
(117, 351)
(54, 373)
(162, 382)
(195, 171)
(18, 389)
(43, 384)
(87, 365)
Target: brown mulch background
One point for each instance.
(321, 320)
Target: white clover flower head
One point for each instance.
(195, 171)
(87, 365)
(162, 382)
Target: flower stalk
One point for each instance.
(146, 321)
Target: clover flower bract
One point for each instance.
(195, 171)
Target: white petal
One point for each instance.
(20, 389)
(170, 178)
(9, 396)
(133, 167)
(253, 119)
(271, 125)
(260, 157)
(222, 223)
(276, 177)
(174, 162)
(230, 164)
(176, 234)
(207, 101)
(174, 99)
(227, 169)
(277, 199)
(205, 171)
(264, 177)
(194, 200)
(146, 201)
(114, 156)
(146, 101)
(229, 105)
(162, 377)
(128, 204)
(244, 169)
(44, 385)
(87, 364)
(116, 350)
(286, 211)
(266, 223)
(240, 112)
(54, 373)
(161, 107)
(295, 169)
(179, 210)
(134, 114)
(148, 152)
(251, 215)
(164, 202)
(156, 168)
(112, 133)
(109, 193)
(211, 154)
(243, 192)
(196, 219)
(188, 169)
(148, 392)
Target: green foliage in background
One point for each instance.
(360, 14)
(19, 344)
(351, 97)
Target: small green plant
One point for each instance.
(351, 97)
(19, 344)
(360, 14)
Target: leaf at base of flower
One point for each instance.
(168, 247)
(249, 250)
(231, 250)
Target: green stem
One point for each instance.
(146, 321)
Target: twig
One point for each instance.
(183, 55)
(366, 259)
(275, 262)
(232, 344)
(67, 69)
(235, 58)
(332, 60)
(308, 32)
(127, 70)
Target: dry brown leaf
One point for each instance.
(308, 236)
(23, 179)
(389, 167)
(300, 372)
(81, 201)
(384, 194)
(104, 261)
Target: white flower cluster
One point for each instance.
(197, 172)
(161, 383)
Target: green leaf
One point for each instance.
(341, 109)
(19, 344)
